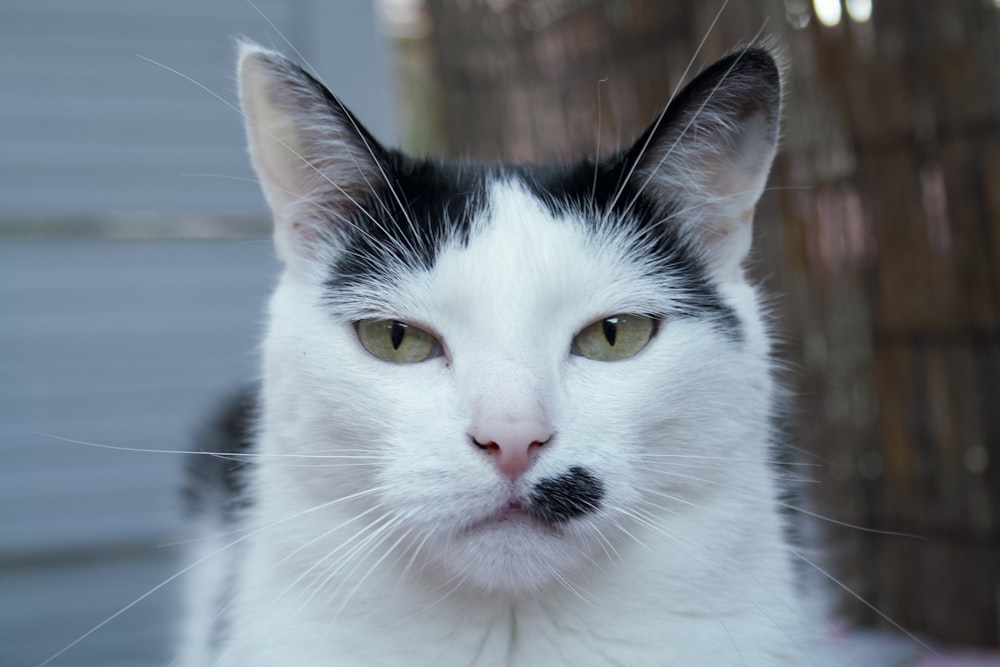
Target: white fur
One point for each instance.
(649, 580)
(374, 538)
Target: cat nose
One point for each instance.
(513, 444)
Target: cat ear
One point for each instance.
(316, 164)
(710, 152)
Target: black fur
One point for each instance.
(425, 204)
(556, 500)
(216, 482)
(575, 189)
(441, 200)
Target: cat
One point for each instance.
(510, 414)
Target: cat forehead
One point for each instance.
(522, 251)
(445, 205)
(493, 238)
(510, 243)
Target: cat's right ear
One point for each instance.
(316, 164)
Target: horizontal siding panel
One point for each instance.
(142, 82)
(39, 128)
(216, 9)
(80, 204)
(40, 615)
(120, 343)
(38, 158)
(88, 130)
(129, 107)
(142, 500)
(98, 338)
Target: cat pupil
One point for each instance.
(610, 326)
(398, 331)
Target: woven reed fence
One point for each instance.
(881, 233)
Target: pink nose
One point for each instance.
(512, 444)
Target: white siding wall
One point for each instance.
(127, 343)
(89, 131)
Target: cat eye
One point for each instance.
(614, 338)
(398, 342)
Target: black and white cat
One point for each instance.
(511, 414)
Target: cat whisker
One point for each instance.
(459, 578)
(597, 151)
(364, 554)
(238, 457)
(724, 459)
(386, 553)
(709, 202)
(659, 119)
(143, 450)
(666, 468)
(854, 526)
(676, 499)
(323, 535)
(750, 494)
(606, 546)
(193, 565)
(669, 152)
(228, 177)
(715, 562)
(353, 545)
(224, 608)
(278, 140)
(356, 129)
(865, 602)
(277, 31)
(612, 511)
(344, 220)
(413, 557)
(206, 537)
(356, 554)
(575, 591)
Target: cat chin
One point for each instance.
(513, 552)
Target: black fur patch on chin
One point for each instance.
(573, 494)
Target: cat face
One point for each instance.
(511, 369)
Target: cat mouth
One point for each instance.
(514, 513)
(552, 503)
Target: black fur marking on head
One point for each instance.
(440, 201)
(556, 500)
(586, 191)
(443, 199)
(406, 219)
(384, 210)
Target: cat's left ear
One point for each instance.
(710, 151)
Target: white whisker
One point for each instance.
(865, 602)
(673, 94)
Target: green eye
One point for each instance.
(614, 338)
(394, 341)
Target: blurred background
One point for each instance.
(135, 261)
